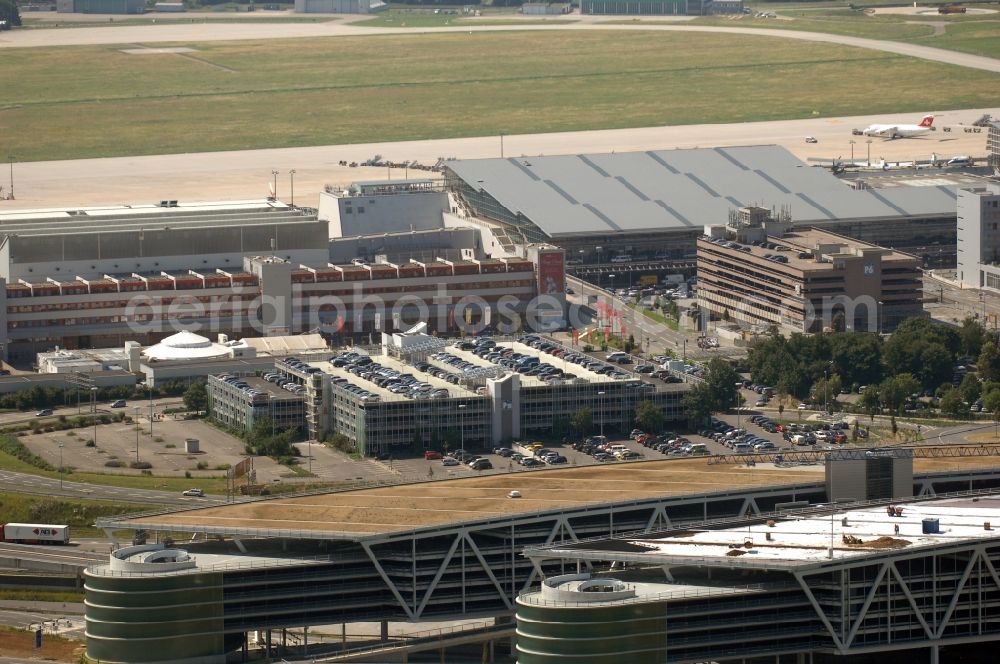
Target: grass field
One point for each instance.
(78, 514)
(75, 102)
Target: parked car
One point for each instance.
(197, 493)
(432, 455)
(118, 403)
(481, 464)
(43, 412)
(448, 461)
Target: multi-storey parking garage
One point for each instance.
(433, 550)
(887, 578)
(418, 392)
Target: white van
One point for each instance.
(621, 258)
(742, 448)
(616, 356)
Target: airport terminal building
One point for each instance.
(655, 204)
(93, 278)
(758, 272)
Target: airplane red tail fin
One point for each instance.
(927, 121)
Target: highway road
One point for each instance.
(55, 555)
(654, 337)
(19, 417)
(50, 486)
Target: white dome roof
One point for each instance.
(186, 346)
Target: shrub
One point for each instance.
(15, 448)
(140, 465)
(148, 473)
(223, 466)
(91, 443)
(113, 463)
(202, 465)
(170, 446)
(187, 474)
(159, 439)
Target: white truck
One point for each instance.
(34, 533)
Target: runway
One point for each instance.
(228, 176)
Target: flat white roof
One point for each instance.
(136, 210)
(799, 539)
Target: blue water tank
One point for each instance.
(931, 526)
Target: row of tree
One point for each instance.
(920, 348)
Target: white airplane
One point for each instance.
(901, 130)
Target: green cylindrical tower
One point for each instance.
(596, 621)
(152, 605)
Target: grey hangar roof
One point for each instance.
(683, 189)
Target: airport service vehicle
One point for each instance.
(35, 533)
(901, 130)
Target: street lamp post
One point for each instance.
(274, 184)
(501, 145)
(852, 142)
(598, 249)
(137, 434)
(150, 411)
(291, 174)
(611, 277)
(826, 391)
(11, 158)
(601, 394)
(461, 426)
(60, 467)
(93, 411)
(869, 142)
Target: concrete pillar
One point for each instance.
(305, 640)
(442, 655)
(934, 654)
(245, 646)
(343, 635)
(284, 640)
(267, 643)
(384, 631)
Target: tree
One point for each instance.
(673, 310)
(720, 379)
(825, 390)
(971, 337)
(952, 404)
(894, 390)
(871, 401)
(582, 421)
(988, 364)
(648, 417)
(991, 402)
(923, 349)
(970, 389)
(196, 396)
(696, 404)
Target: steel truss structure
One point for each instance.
(477, 568)
(932, 597)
